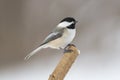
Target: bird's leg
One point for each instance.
(67, 48)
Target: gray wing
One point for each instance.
(53, 35)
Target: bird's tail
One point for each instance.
(34, 52)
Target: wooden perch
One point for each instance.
(69, 56)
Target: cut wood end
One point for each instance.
(78, 51)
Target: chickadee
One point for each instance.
(60, 37)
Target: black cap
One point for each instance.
(69, 19)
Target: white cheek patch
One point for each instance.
(64, 24)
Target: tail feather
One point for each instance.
(33, 52)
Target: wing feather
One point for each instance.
(53, 35)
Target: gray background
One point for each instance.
(25, 23)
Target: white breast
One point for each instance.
(69, 35)
(62, 42)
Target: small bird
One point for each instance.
(60, 37)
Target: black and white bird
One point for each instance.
(60, 37)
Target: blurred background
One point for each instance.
(25, 23)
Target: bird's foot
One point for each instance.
(67, 48)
